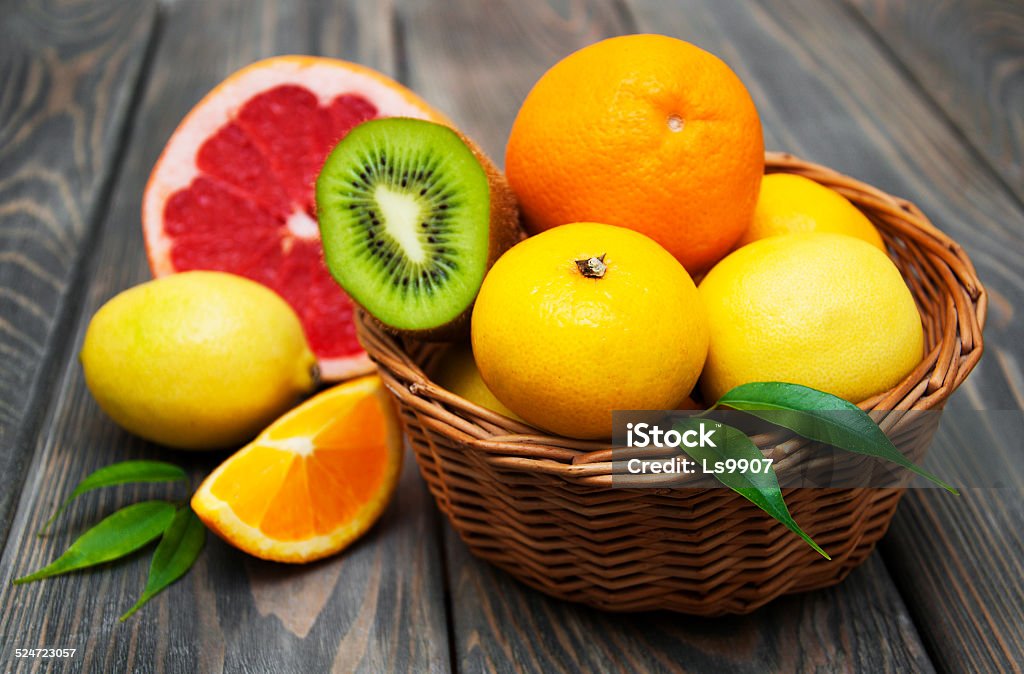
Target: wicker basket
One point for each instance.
(542, 507)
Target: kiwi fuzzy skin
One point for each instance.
(505, 232)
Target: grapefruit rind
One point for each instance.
(177, 166)
(220, 518)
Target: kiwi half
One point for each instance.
(412, 215)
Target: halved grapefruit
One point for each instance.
(233, 189)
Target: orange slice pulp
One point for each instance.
(313, 481)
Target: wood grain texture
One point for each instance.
(957, 561)
(503, 626)
(825, 89)
(958, 564)
(969, 57)
(480, 79)
(828, 93)
(70, 70)
(377, 607)
(477, 60)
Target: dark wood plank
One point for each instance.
(480, 78)
(967, 56)
(477, 61)
(377, 607)
(958, 564)
(957, 561)
(503, 626)
(825, 91)
(70, 70)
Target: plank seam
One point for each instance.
(454, 663)
(917, 617)
(625, 16)
(60, 341)
(401, 53)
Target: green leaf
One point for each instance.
(121, 473)
(178, 550)
(120, 533)
(760, 488)
(820, 416)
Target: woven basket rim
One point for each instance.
(951, 290)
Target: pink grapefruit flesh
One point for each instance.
(233, 189)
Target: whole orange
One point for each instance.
(584, 319)
(646, 132)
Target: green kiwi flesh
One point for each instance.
(404, 210)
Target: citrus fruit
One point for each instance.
(646, 132)
(233, 189)
(823, 310)
(313, 481)
(584, 319)
(457, 372)
(790, 204)
(198, 360)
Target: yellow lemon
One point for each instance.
(196, 360)
(791, 204)
(457, 372)
(823, 310)
(584, 319)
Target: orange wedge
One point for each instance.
(313, 481)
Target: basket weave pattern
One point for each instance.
(542, 507)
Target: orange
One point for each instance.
(584, 319)
(824, 310)
(646, 132)
(313, 481)
(790, 204)
(233, 189)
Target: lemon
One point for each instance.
(584, 319)
(824, 310)
(196, 360)
(791, 204)
(457, 372)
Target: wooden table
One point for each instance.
(924, 99)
